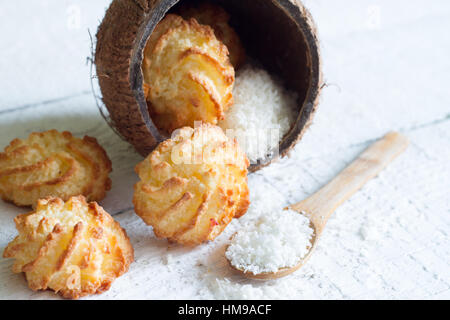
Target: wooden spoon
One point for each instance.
(319, 207)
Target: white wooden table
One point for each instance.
(388, 68)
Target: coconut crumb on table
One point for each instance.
(226, 289)
(262, 113)
(276, 240)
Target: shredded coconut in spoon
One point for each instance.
(277, 240)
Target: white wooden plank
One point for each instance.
(44, 48)
(381, 244)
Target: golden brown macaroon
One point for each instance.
(192, 185)
(73, 248)
(217, 18)
(187, 74)
(55, 164)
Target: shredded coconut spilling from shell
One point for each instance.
(277, 240)
(263, 112)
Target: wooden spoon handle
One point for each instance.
(374, 159)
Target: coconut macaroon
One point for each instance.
(73, 248)
(192, 185)
(217, 18)
(187, 74)
(55, 164)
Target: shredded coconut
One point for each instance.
(167, 259)
(277, 240)
(225, 289)
(263, 112)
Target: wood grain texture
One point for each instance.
(391, 240)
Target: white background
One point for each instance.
(388, 68)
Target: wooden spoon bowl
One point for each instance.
(282, 272)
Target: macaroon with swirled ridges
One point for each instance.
(192, 185)
(55, 164)
(187, 74)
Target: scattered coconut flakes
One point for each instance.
(167, 259)
(263, 112)
(225, 289)
(277, 240)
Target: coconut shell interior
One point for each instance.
(280, 34)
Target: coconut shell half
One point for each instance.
(280, 34)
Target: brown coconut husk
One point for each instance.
(278, 33)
